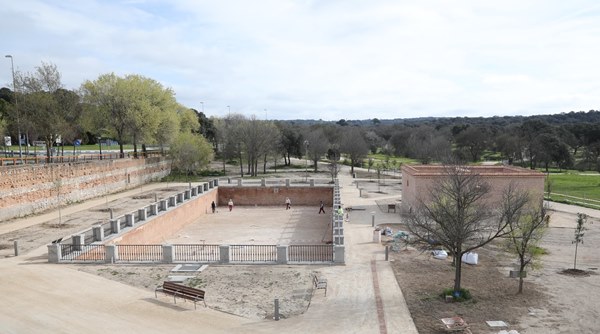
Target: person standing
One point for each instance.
(213, 206)
(288, 203)
(322, 208)
(230, 204)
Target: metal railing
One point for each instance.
(140, 253)
(196, 253)
(84, 253)
(310, 253)
(253, 253)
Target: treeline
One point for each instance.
(136, 110)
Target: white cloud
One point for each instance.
(325, 59)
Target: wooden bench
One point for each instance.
(320, 283)
(178, 290)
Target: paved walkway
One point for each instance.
(363, 295)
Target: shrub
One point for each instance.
(459, 296)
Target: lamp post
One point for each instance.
(12, 67)
(306, 150)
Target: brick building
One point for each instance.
(417, 180)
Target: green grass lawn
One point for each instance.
(579, 188)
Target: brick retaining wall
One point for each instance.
(30, 189)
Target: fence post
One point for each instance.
(78, 240)
(263, 182)
(16, 245)
(115, 226)
(223, 254)
(54, 253)
(282, 254)
(98, 232)
(111, 253)
(168, 253)
(129, 219)
(153, 209)
(338, 254)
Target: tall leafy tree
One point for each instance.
(354, 146)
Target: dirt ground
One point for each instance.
(551, 302)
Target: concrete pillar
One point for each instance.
(180, 198)
(239, 182)
(98, 232)
(205, 185)
(338, 254)
(216, 183)
(282, 254)
(111, 253)
(129, 219)
(168, 253)
(211, 184)
(16, 247)
(142, 214)
(201, 189)
(78, 240)
(186, 194)
(54, 253)
(194, 192)
(312, 182)
(372, 218)
(115, 226)
(153, 209)
(162, 205)
(223, 254)
(377, 236)
(172, 201)
(287, 182)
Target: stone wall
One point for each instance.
(30, 189)
(169, 223)
(272, 196)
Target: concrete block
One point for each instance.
(282, 254)
(111, 253)
(142, 214)
(115, 226)
(98, 232)
(54, 253)
(78, 240)
(223, 254)
(168, 253)
(129, 219)
(339, 254)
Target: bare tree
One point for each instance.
(579, 232)
(458, 215)
(317, 146)
(526, 230)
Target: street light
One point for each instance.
(12, 66)
(306, 150)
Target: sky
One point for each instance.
(323, 59)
